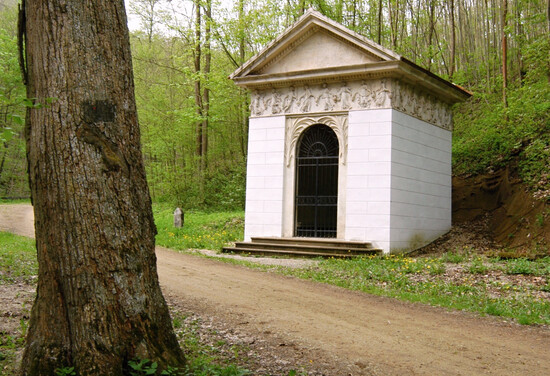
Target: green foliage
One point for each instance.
(487, 135)
(521, 266)
(452, 257)
(533, 166)
(143, 367)
(13, 180)
(65, 371)
(477, 266)
(225, 190)
(201, 230)
(171, 371)
(164, 76)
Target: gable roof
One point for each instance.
(316, 49)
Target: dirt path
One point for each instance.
(370, 335)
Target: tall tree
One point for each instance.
(504, 24)
(98, 302)
(148, 12)
(379, 29)
(197, 53)
(206, 86)
(13, 180)
(453, 39)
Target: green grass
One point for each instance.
(15, 201)
(201, 230)
(528, 267)
(422, 280)
(17, 259)
(477, 266)
(17, 265)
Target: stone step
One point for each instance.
(320, 248)
(328, 242)
(292, 253)
(303, 247)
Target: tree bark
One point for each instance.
(379, 31)
(98, 302)
(244, 95)
(206, 88)
(504, 24)
(197, 63)
(453, 39)
(431, 30)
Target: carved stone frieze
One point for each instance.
(346, 96)
(296, 125)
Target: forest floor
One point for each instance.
(272, 324)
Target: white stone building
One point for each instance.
(347, 140)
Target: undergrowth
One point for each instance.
(201, 230)
(487, 135)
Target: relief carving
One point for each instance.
(306, 101)
(289, 100)
(345, 97)
(326, 99)
(363, 97)
(372, 94)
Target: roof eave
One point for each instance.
(403, 70)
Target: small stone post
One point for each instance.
(178, 217)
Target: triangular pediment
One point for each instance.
(316, 50)
(320, 49)
(314, 42)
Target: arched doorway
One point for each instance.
(316, 199)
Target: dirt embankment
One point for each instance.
(499, 206)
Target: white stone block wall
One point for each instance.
(369, 177)
(421, 182)
(264, 180)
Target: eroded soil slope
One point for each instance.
(499, 208)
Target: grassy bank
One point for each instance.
(201, 230)
(460, 279)
(514, 289)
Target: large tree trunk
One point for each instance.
(98, 302)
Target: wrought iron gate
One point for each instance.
(317, 183)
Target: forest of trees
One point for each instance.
(194, 119)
